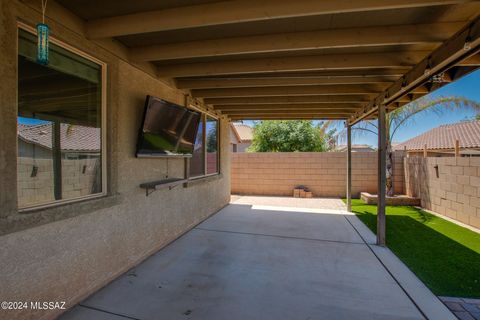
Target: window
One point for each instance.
(212, 145)
(205, 158)
(59, 131)
(197, 162)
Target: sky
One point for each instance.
(468, 86)
(30, 121)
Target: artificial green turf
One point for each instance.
(445, 256)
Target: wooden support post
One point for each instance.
(382, 175)
(457, 148)
(57, 160)
(425, 153)
(349, 168)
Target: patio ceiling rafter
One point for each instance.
(293, 106)
(295, 90)
(376, 72)
(229, 12)
(295, 41)
(314, 116)
(281, 100)
(302, 63)
(212, 83)
(463, 46)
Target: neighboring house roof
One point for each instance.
(355, 147)
(72, 137)
(243, 132)
(444, 137)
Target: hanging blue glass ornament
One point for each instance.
(42, 43)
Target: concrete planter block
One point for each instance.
(400, 200)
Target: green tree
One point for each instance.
(478, 116)
(404, 116)
(212, 144)
(290, 136)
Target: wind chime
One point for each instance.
(42, 58)
(42, 37)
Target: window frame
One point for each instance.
(204, 115)
(103, 122)
(218, 146)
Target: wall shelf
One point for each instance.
(169, 183)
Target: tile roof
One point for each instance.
(244, 132)
(444, 136)
(72, 138)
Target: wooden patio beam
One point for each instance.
(289, 117)
(296, 90)
(227, 12)
(293, 112)
(303, 63)
(321, 39)
(289, 91)
(354, 99)
(460, 49)
(211, 83)
(299, 106)
(375, 72)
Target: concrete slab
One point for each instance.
(316, 203)
(222, 275)
(306, 225)
(245, 263)
(83, 313)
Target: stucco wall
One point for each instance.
(324, 173)
(454, 192)
(66, 252)
(242, 147)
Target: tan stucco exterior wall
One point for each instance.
(454, 192)
(277, 173)
(65, 253)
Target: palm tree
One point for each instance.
(404, 116)
(327, 134)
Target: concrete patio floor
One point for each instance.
(253, 260)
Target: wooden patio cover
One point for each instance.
(302, 59)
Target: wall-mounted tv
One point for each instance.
(167, 129)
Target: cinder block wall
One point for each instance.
(39, 189)
(453, 192)
(324, 173)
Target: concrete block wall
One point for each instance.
(448, 186)
(39, 189)
(276, 173)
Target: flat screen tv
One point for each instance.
(167, 129)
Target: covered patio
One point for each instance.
(257, 259)
(330, 60)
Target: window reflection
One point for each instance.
(59, 120)
(197, 164)
(212, 145)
